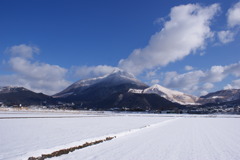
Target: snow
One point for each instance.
(171, 95)
(215, 97)
(185, 138)
(25, 137)
(138, 91)
(138, 136)
(158, 88)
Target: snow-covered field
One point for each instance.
(25, 134)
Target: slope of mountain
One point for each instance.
(171, 95)
(19, 95)
(147, 102)
(220, 96)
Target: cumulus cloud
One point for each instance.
(233, 15)
(187, 82)
(36, 70)
(208, 86)
(39, 85)
(188, 68)
(43, 77)
(150, 74)
(233, 20)
(202, 93)
(194, 81)
(83, 72)
(226, 36)
(155, 81)
(215, 74)
(39, 77)
(185, 32)
(235, 84)
(233, 69)
(23, 50)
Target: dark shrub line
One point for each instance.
(66, 151)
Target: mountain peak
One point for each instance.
(120, 72)
(115, 73)
(116, 78)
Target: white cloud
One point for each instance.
(150, 74)
(233, 20)
(208, 86)
(36, 76)
(196, 81)
(155, 81)
(159, 20)
(233, 69)
(202, 93)
(187, 82)
(36, 70)
(91, 71)
(188, 68)
(215, 74)
(234, 85)
(36, 85)
(185, 32)
(228, 86)
(39, 77)
(226, 36)
(23, 50)
(233, 15)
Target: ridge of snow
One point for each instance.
(138, 91)
(171, 95)
(215, 97)
(157, 88)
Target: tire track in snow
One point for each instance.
(50, 153)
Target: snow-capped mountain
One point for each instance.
(221, 96)
(171, 95)
(111, 91)
(116, 78)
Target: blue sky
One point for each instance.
(190, 46)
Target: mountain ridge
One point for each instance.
(122, 91)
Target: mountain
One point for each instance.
(118, 80)
(18, 95)
(171, 95)
(220, 96)
(111, 91)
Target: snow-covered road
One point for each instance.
(138, 136)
